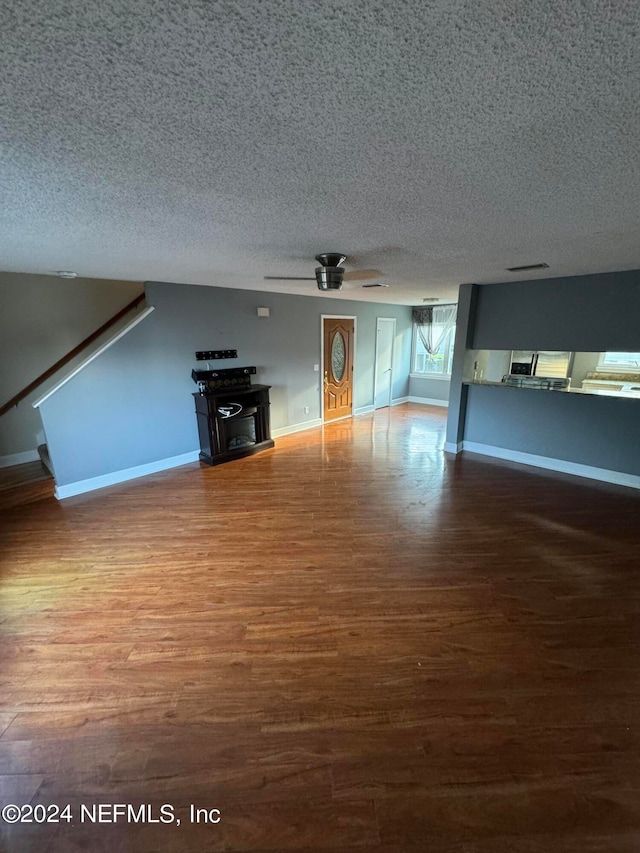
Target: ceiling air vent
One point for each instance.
(528, 267)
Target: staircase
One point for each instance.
(34, 481)
(43, 453)
(25, 484)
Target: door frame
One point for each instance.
(324, 317)
(375, 368)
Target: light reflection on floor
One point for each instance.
(425, 437)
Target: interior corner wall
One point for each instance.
(579, 313)
(133, 405)
(465, 325)
(429, 389)
(42, 317)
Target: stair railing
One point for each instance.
(70, 355)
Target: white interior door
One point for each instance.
(385, 334)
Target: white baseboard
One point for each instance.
(452, 447)
(429, 401)
(288, 430)
(337, 420)
(82, 486)
(19, 458)
(618, 478)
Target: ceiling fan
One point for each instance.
(330, 274)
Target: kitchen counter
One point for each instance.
(591, 391)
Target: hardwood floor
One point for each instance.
(22, 484)
(349, 642)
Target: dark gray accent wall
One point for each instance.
(588, 430)
(581, 313)
(586, 312)
(133, 405)
(465, 324)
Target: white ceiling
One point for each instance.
(218, 141)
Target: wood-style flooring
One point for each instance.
(22, 484)
(350, 642)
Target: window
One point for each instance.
(443, 332)
(620, 362)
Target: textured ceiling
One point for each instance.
(218, 141)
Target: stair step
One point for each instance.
(43, 452)
(25, 484)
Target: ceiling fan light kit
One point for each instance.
(330, 274)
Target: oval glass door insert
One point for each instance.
(338, 356)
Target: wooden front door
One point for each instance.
(338, 368)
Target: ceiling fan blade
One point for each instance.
(289, 278)
(361, 275)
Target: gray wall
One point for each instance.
(465, 319)
(583, 363)
(586, 312)
(596, 312)
(42, 317)
(432, 389)
(133, 405)
(588, 430)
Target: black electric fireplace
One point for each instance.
(240, 430)
(233, 418)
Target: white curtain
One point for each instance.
(434, 323)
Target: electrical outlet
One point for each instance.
(306, 410)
